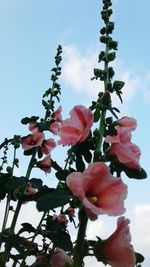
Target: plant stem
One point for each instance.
(23, 190)
(7, 202)
(33, 238)
(79, 247)
(103, 112)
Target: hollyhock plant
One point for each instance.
(45, 164)
(85, 178)
(117, 250)
(47, 146)
(32, 140)
(99, 191)
(77, 128)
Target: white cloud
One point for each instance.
(140, 229)
(95, 229)
(78, 70)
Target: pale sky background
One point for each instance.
(30, 32)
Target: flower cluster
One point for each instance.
(122, 150)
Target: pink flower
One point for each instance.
(59, 258)
(123, 136)
(99, 191)
(77, 128)
(54, 127)
(71, 212)
(128, 154)
(122, 150)
(57, 114)
(45, 164)
(127, 122)
(60, 218)
(32, 140)
(117, 250)
(47, 146)
(33, 127)
(55, 121)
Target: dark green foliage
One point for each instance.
(26, 227)
(54, 198)
(27, 120)
(60, 239)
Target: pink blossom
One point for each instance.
(71, 212)
(33, 127)
(32, 140)
(59, 258)
(57, 114)
(121, 149)
(54, 127)
(61, 218)
(123, 136)
(55, 121)
(45, 164)
(127, 122)
(47, 146)
(128, 154)
(77, 128)
(99, 191)
(117, 250)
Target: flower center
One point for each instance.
(32, 143)
(93, 199)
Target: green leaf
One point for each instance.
(135, 173)
(96, 115)
(80, 166)
(111, 56)
(53, 199)
(15, 182)
(60, 239)
(87, 156)
(139, 257)
(27, 120)
(118, 85)
(54, 225)
(62, 174)
(27, 227)
(36, 183)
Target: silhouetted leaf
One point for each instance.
(53, 199)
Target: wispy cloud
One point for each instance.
(78, 70)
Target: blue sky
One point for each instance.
(30, 32)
